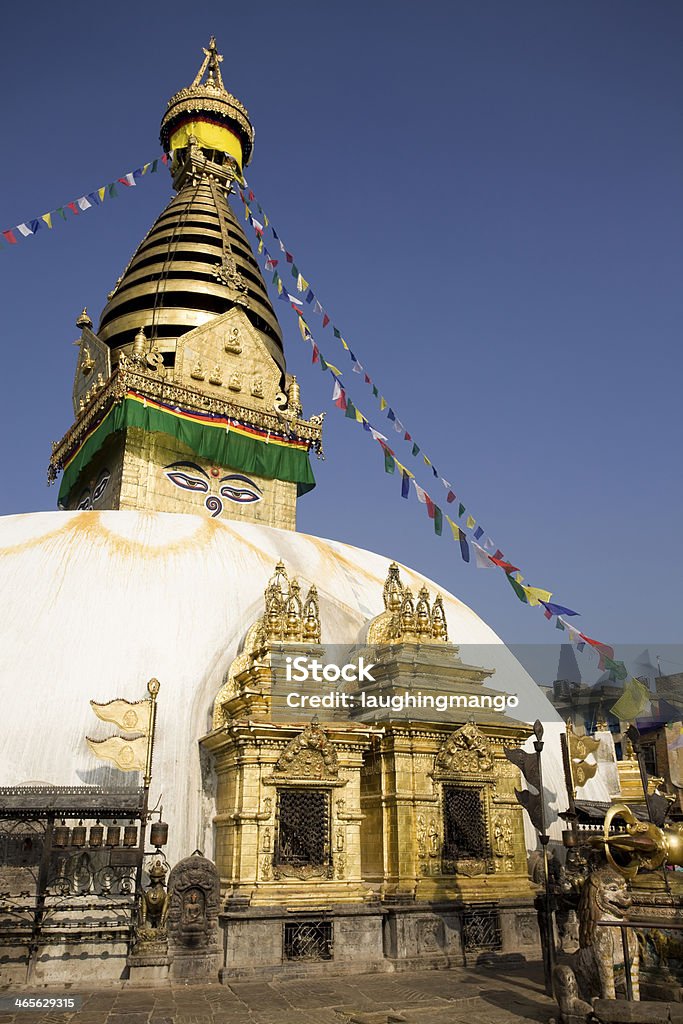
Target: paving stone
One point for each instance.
(259, 996)
(314, 994)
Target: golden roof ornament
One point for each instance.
(84, 320)
(207, 111)
(288, 618)
(407, 619)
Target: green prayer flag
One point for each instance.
(375, 391)
(275, 277)
(615, 668)
(519, 591)
(337, 333)
(389, 464)
(60, 211)
(461, 509)
(112, 189)
(416, 449)
(633, 701)
(350, 409)
(153, 168)
(438, 520)
(295, 270)
(323, 364)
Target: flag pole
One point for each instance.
(549, 944)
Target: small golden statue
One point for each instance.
(150, 930)
(257, 388)
(216, 376)
(198, 371)
(233, 344)
(235, 382)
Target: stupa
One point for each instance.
(341, 839)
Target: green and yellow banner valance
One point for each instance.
(225, 441)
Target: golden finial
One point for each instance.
(139, 345)
(393, 589)
(439, 627)
(311, 617)
(294, 396)
(210, 65)
(423, 623)
(84, 320)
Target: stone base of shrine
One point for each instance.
(447, 935)
(339, 939)
(343, 938)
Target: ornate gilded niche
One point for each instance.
(289, 618)
(464, 777)
(304, 777)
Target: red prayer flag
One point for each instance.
(326, 320)
(73, 207)
(10, 236)
(503, 564)
(164, 158)
(431, 507)
(604, 649)
(450, 496)
(289, 257)
(251, 195)
(316, 353)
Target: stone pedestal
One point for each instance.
(146, 970)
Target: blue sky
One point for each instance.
(487, 199)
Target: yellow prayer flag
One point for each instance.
(135, 716)
(426, 460)
(335, 369)
(454, 527)
(102, 192)
(303, 327)
(47, 217)
(128, 755)
(279, 286)
(633, 701)
(382, 404)
(535, 595)
(145, 168)
(260, 244)
(265, 220)
(360, 418)
(344, 344)
(471, 522)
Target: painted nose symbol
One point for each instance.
(214, 505)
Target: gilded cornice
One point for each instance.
(129, 378)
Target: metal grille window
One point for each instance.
(464, 828)
(308, 940)
(303, 832)
(481, 930)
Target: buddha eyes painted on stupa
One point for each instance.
(88, 498)
(233, 487)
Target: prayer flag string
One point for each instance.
(487, 554)
(80, 205)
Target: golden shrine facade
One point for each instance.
(364, 837)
